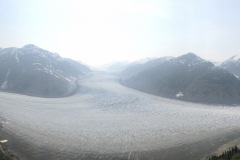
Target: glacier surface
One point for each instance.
(106, 117)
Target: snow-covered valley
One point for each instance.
(106, 117)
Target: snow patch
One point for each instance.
(68, 79)
(5, 122)
(5, 83)
(17, 59)
(235, 57)
(48, 70)
(182, 62)
(179, 94)
(36, 64)
(236, 76)
(3, 141)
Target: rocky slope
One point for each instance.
(190, 78)
(33, 71)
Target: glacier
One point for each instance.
(106, 117)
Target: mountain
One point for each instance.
(216, 63)
(232, 65)
(189, 78)
(139, 66)
(33, 71)
(114, 66)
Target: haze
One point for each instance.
(97, 32)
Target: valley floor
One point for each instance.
(109, 121)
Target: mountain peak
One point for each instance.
(30, 46)
(189, 56)
(235, 58)
(38, 72)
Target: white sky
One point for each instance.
(99, 31)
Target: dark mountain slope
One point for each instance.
(190, 78)
(34, 71)
(135, 68)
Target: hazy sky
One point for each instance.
(98, 31)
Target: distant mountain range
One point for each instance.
(33, 71)
(139, 66)
(114, 66)
(187, 77)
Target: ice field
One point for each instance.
(106, 117)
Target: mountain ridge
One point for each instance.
(188, 77)
(34, 71)
(232, 65)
